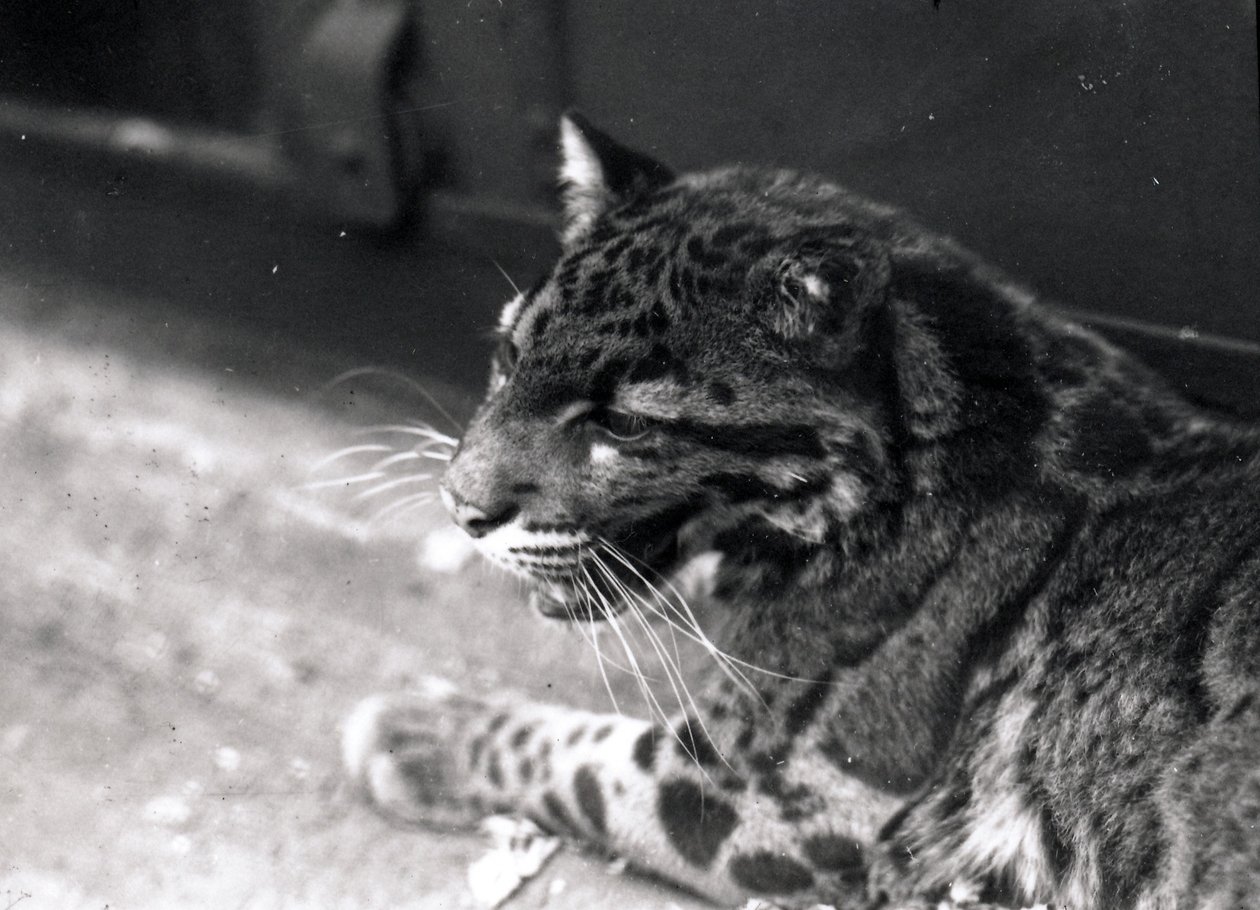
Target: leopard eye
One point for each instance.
(620, 425)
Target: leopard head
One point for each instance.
(703, 361)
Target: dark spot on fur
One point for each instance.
(753, 248)
(693, 745)
(883, 772)
(475, 748)
(696, 823)
(544, 761)
(644, 752)
(765, 440)
(587, 359)
(1054, 842)
(1242, 706)
(616, 248)
(739, 487)
(768, 873)
(575, 736)
(590, 798)
(496, 723)
(721, 392)
(602, 733)
(525, 769)
(622, 298)
(833, 853)
(709, 259)
(802, 710)
(658, 362)
(675, 285)
(494, 770)
(658, 318)
(521, 736)
(541, 322)
(425, 787)
(638, 259)
(592, 300)
(731, 233)
(558, 813)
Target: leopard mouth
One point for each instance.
(601, 583)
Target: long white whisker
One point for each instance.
(394, 374)
(414, 499)
(612, 622)
(699, 636)
(343, 481)
(424, 432)
(611, 619)
(393, 484)
(695, 633)
(346, 452)
(595, 644)
(672, 669)
(673, 674)
(503, 272)
(395, 459)
(436, 456)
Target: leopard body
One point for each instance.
(1004, 581)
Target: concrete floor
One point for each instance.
(184, 624)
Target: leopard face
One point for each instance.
(693, 364)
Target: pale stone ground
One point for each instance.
(184, 625)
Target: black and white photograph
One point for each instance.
(635, 454)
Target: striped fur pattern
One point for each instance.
(1005, 582)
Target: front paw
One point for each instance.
(404, 753)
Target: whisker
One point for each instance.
(598, 657)
(673, 670)
(406, 502)
(503, 272)
(611, 619)
(394, 459)
(695, 633)
(343, 481)
(401, 377)
(392, 484)
(348, 451)
(436, 456)
(425, 432)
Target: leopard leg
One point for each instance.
(778, 823)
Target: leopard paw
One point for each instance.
(403, 752)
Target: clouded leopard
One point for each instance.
(1003, 584)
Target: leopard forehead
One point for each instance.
(665, 283)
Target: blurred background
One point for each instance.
(209, 212)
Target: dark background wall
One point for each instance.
(1106, 153)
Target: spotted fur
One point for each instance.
(1004, 580)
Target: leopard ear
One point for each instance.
(827, 283)
(597, 173)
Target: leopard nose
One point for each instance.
(475, 520)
